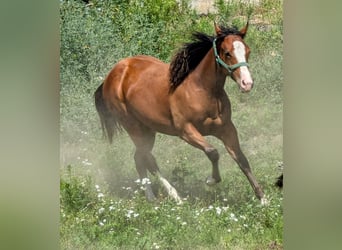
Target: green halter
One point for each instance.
(230, 68)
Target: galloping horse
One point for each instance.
(185, 98)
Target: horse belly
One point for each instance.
(153, 111)
(146, 95)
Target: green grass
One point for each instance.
(93, 39)
(126, 221)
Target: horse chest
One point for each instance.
(214, 109)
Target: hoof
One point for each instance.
(179, 202)
(264, 201)
(211, 181)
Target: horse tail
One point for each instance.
(109, 123)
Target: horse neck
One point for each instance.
(208, 75)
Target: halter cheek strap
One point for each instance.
(230, 68)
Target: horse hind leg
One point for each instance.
(154, 170)
(144, 161)
(140, 164)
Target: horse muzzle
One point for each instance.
(246, 86)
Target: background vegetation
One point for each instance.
(102, 207)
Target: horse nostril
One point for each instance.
(245, 83)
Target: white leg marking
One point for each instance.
(170, 189)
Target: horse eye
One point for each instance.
(227, 54)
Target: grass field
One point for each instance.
(102, 204)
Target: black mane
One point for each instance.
(190, 55)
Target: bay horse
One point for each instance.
(185, 98)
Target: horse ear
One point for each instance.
(217, 29)
(243, 31)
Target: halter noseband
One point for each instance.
(230, 68)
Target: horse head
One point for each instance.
(231, 52)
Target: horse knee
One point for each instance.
(212, 154)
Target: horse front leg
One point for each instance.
(192, 136)
(231, 142)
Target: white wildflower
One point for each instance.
(145, 181)
(155, 245)
(86, 162)
(218, 210)
(129, 213)
(101, 210)
(233, 217)
(100, 195)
